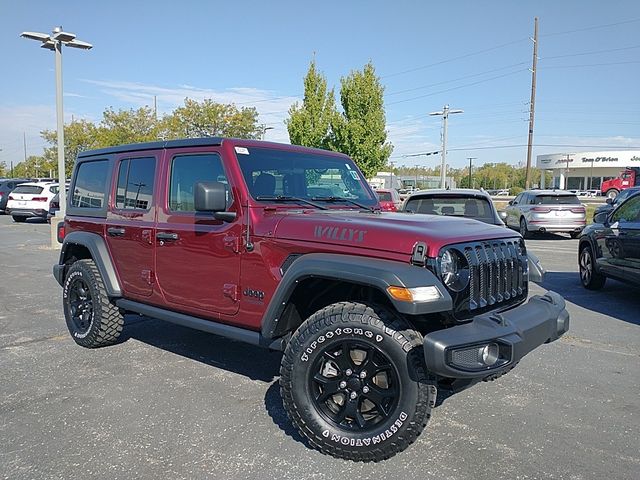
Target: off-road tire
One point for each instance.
(589, 277)
(104, 322)
(18, 219)
(380, 330)
(524, 231)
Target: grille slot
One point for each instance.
(496, 273)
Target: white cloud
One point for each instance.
(272, 107)
(413, 135)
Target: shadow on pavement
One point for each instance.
(252, 362)
(613, 300)
(275, 409)
(549, 236)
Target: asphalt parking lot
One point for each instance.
(169, 402)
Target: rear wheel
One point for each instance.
(589, 277)
(18, 219)
(92, 319)
(353, 382)
(524, 231)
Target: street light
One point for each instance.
(445, 116)
(54, 43)
(264, 131)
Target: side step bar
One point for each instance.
(209, 326)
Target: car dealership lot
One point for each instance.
(171, 402)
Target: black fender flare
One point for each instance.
(366, 271)
(99, 253)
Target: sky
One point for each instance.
(472, 55)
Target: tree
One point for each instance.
(79, 135)
(4, 171)
(209, 119)
(309, 124)
(34, 166)
(360, 130)
(127, 126)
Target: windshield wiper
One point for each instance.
(346, 200)
(287, 198)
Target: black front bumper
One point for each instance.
(456, 352)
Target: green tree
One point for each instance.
(4, 171)
(127, 126)
(34, 166)
(360, 130)
(79, 135)
(309, 124)
(209, 119)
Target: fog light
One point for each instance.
(490, 354)
(479, 357)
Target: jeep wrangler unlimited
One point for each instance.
(286, 247)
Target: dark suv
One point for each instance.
(374, 311)
(6, 187)
(611, 246)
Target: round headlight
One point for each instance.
(454, 270)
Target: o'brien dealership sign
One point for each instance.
(615, 159)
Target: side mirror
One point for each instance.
(212, 197)
(609, 200)
(601, 217)
(510, 202)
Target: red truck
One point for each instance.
(373, 311)
(630, 177)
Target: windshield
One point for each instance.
(273, 173)
(458, 206)
(556, 200)
(384, 196)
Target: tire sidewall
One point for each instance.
(304, 358)
(79, 271)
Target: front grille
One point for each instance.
(497, 276)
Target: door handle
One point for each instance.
(115, 231)
(171, 237)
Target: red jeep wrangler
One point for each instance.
(374, 311)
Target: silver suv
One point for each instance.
(546, 211)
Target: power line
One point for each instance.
(590, 65)
(458, 87)
(593, 52)
(459, 57)
(593, 27)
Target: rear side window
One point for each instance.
(384, 196)
(135, 183)
(556, 200)
(186, 171)
(29, 189)
(89, 186)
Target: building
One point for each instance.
(585, 170)
(390, 180)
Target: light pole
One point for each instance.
(54, 43)
(445, 116)
(471, 159)
(264, 131)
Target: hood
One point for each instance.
(394, 232)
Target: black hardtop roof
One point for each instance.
(135, 147)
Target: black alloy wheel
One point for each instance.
(355, 385)
(80, 305)
(589, 277)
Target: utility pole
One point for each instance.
(471, 159)
(533, 102)
(24, 138)
(445, 116)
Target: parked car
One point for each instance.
(463, 202)
(389, 199)
(612, 203)
(610, 247)
(31, 200)
(6, 186)
(373, 311)
(542, 211)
